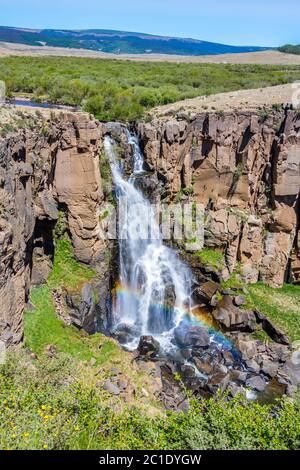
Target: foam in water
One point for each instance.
(155, 285)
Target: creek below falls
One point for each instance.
(153, 308)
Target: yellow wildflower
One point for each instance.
(45, 446)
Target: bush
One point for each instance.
(124, 91)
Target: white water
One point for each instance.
(150, 273)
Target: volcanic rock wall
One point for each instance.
(52, 165)
(245, 168)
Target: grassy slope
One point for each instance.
(281, 305)
(119, 90)
(56, 403)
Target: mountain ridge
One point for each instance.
(119, 42)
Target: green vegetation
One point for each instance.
(280, 305)
(67, 271)
(49, 404)
(120, 90)
(210, 257)
(43, 328)
(290, 49)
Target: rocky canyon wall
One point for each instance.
(245, 169)
(46, 165)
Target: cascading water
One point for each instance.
(155, 286)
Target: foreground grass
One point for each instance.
(119, 90)
(45, 405)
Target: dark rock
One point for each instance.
(203, 366)
(231, 318)
(125, 333)
(205, 292)
(186, 353)
(148, 346)
(238, 376)
(268, 326)
(188, 335)
(256, 383)
(187, 371)
(219, 381)
(172, 394)
(228, 357)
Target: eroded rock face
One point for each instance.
(55, 164)
(245, 170)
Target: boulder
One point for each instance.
(189, 335)
(256, 383)
(269, 368)
(205, 292)
(231, 318)
(247, 348)
(148, 346)
(268, 326)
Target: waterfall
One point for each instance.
(154, 289)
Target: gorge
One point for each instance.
(243, 167)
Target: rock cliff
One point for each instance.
(48, 163)
(244, 167)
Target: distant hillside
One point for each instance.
(118, 42)
(290, 49)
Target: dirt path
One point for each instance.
(264, 57)
(239, 100)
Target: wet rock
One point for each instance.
(148, 346)
(231, 318)
(186, 353)
(188, 335)
(219, 381)
(125, 333)
(203, 366)
(111, 388)
(206, 292)
(256, 383)
(228, 358)
(187, 371)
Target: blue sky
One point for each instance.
(255, 22)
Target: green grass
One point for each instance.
(212, 258)
(67, 271)
(280, 305)
(45, 404)
(120, 90)
(43, 328)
